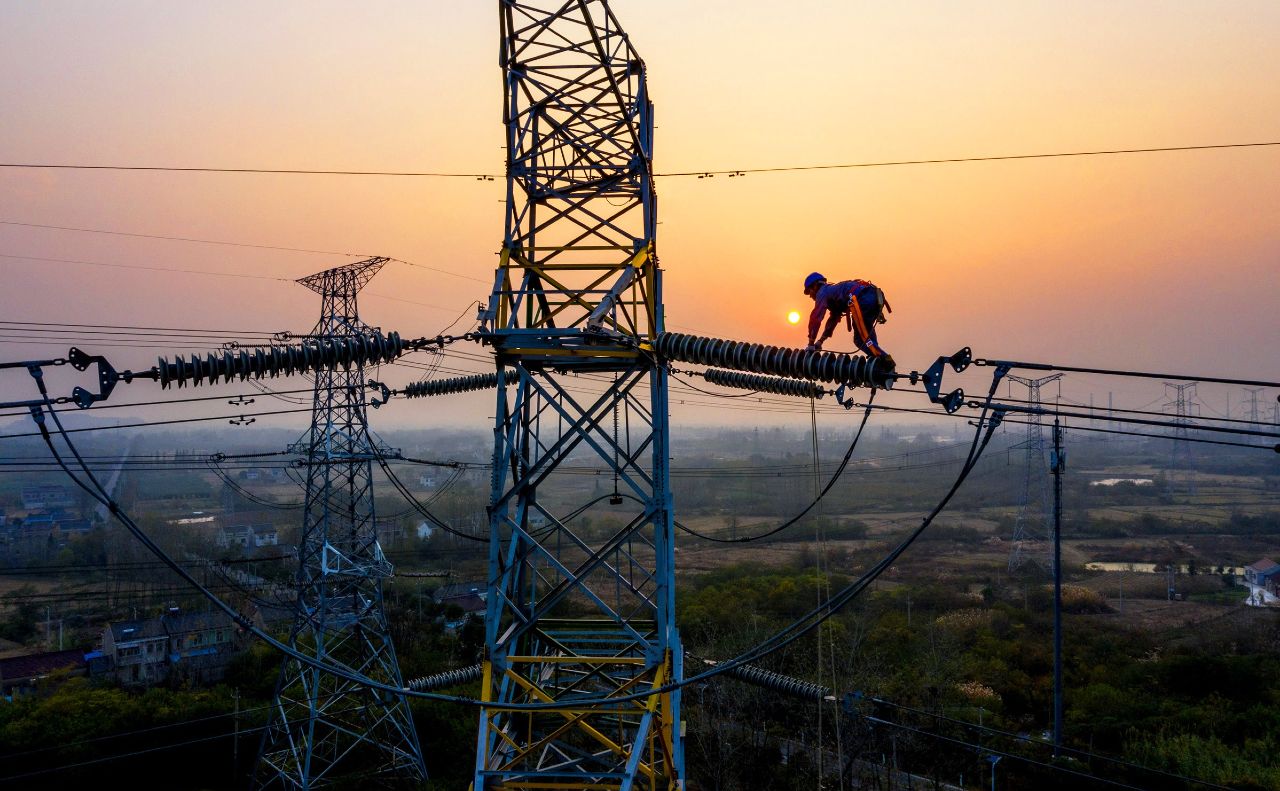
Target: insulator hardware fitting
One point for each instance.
(315, 354)
(448, 678)
(778, 682)
(765, 384)
(458, 384)
(775, 360)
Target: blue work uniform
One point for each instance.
(860, 301)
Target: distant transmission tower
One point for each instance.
(1254, 413)
(324, 726)
(1033, 528)
(1182, 402)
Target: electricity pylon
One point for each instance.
(1253, 414)
(324, 726)
(1033, 527)
(1182, 400)
(578, 617)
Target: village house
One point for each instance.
(40, 498)
(248, 536)
(21, 675)
(1262, 573)
(470, 597)
(177, 645)
(137, 650)
(200, 644)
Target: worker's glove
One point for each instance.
(887, 363)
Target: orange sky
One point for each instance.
(1156, 261)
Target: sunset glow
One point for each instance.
(793, 317)
(1098, 259)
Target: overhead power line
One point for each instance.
(1122, 372)
(169, 270)
(180, 239)
(168, 330)
(671, 174)
(143, 266)
(959, 160)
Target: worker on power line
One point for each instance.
(861, 303)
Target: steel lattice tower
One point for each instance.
(323, 725)
(1253, 414)
(577, 616)
(1033, 527)
(1182, 400)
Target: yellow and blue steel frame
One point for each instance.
(579, 620)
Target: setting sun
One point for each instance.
(793, 317)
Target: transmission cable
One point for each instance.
(818, 615)
(1002, 753)
(180, 238)
(1029, 740)
(835, 476)
(416, 505)
(699, 173)
(162, 422)
(245, 493)
(783, 638)
(144, 267)
(195, 399)
(1120, 372)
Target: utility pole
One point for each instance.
(235, 739)
(1058, 464)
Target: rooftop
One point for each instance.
(128, 631)
(32, 665)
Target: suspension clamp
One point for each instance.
(107, 377)
(386, 393)
(933, 379)
(847, 403)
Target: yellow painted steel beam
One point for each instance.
(517, 785)
(576, 247)
(605, 741)
(618, 353)
(533, 746)
(556, 266)
(570, 297)
(603, 660)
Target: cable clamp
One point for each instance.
(933, 380)
(386, 393)
(841, 400)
